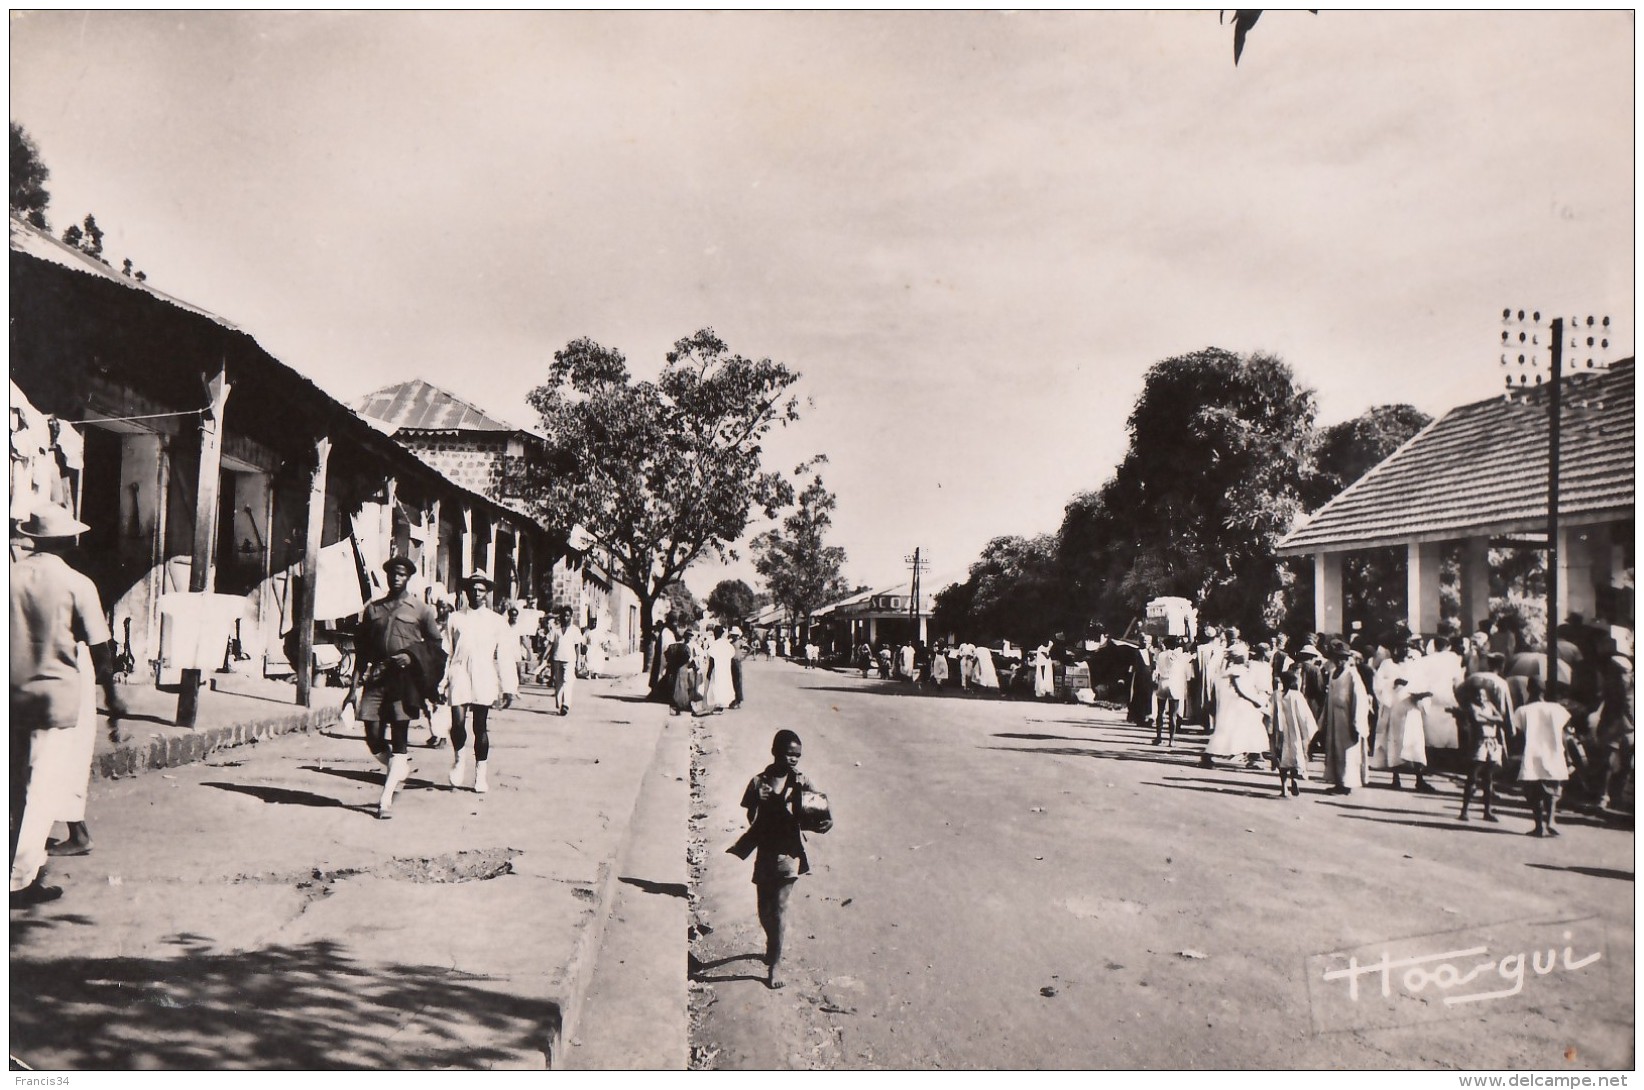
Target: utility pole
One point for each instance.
(918, 564)
(1526, 347)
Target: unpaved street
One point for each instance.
(1024, 885)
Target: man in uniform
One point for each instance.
(400, 659)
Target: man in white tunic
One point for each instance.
(482, 665)
(563, 656)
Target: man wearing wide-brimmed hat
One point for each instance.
(58, 641)
(483, 667)
(400, 659)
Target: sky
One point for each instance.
(971, 233)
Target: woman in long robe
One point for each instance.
(1346, 722)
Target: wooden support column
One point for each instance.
(1475, 583)
(203, 565)
(1327, 595)
(1421, 596)
(391, 493)
(304, 613)
(431, 543)
(467, 544)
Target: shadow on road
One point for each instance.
(627, 699)
(699, 969)
(1158, 757)
(667, 889)
(1591, 872)
(308, 1006)
(1473, 826)
(288, 796)
(1221, 792)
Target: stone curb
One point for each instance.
(130, 758)
(579, 970)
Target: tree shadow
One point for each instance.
(307, 1006)
(1591, 872)
(287, 796)
(667, 889)
(21, 927)
(698, 970)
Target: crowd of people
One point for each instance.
(412, 657)
(418, 658)
(697, 670)
(1394, 704)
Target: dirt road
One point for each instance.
(1025, 885)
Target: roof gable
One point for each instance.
(1482, 468)
(421, 406)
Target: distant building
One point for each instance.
(111, 411)
(1477, 478)
(488, 455)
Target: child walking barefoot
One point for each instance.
(1293, 728)
(778, 845)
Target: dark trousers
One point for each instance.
(736, 677)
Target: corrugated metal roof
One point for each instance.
(422, 406)
(38, 245)
(1482, 468)
(27, 239)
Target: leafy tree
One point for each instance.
(87, 238)
(733, 601)
(1347, 451)
(1220, 446)
(682, 602)
(1013, 592)
(801, 571)
(29, 174)
(661, 472)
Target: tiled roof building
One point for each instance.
(1478, 474)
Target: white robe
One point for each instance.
(1240, 725)
(483, 656)
(719, 691)
(1439, 674)
(1044, 683)
(1542, 724)
(986, 676)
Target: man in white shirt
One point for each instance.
(564, 657)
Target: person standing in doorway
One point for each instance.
(399, 662)
(57, 629)
(482, 669)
